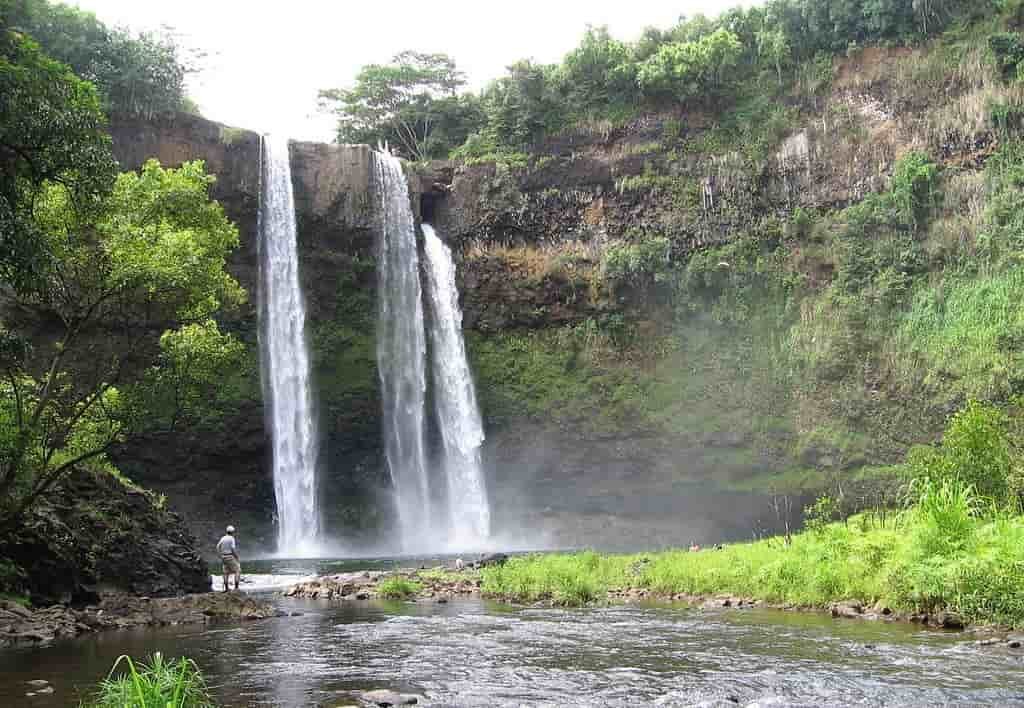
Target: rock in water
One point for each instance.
(390, 698)
(492, 559)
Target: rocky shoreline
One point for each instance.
(21, 626)
(436, 585)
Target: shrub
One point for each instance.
(821, 513)
(915, 188)
(1008, 49)
(639, 264)
(398, 588)
(975, 453)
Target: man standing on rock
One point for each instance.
(228, 550)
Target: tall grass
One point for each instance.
(157, 684)
(944, 552)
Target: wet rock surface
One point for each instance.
(385, 698)
(22, 626)
(93, 535)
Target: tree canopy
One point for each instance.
(138, 74)
(100, 263)
(52, 130)
(410, 103)
(711, 60)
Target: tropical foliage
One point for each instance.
(700, 61)
(141, 74)
(152, 256)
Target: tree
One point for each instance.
(199, 373)
(976, 450)
(140, 75)
(403, 103)
(598, 73)
(523, 105)
(52, 131)
(152, 258)
(687, 69)
(773, 47)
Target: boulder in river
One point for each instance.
(847, 608)
(948, 620)
(491, 559)
(386, 698)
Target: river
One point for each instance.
(479, 653)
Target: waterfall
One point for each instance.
(458, 417)
(285, 361)
(401, 354)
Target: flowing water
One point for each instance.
(458, 417)
(285, 361)
(401, 354)
(475, 653)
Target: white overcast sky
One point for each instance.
(267, 60)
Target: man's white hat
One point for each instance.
(231, 529)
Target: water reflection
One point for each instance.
(479, 654)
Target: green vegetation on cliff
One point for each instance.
(735, 60)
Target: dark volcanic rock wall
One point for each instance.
(529, 241)
(94, 534)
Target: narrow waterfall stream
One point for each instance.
(458, 417)
(285, 361)
(401, 354)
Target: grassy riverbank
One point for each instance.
(935, 556)
(955, 545)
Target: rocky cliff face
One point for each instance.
(557, 479)
(554, 481)
(619, 413)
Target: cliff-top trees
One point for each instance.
(141, 74)
(411, 103)
(688, 69)
(52, 130)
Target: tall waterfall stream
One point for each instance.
(441, 504)
(285, 361)
(462, 431)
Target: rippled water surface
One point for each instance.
(474, 653)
